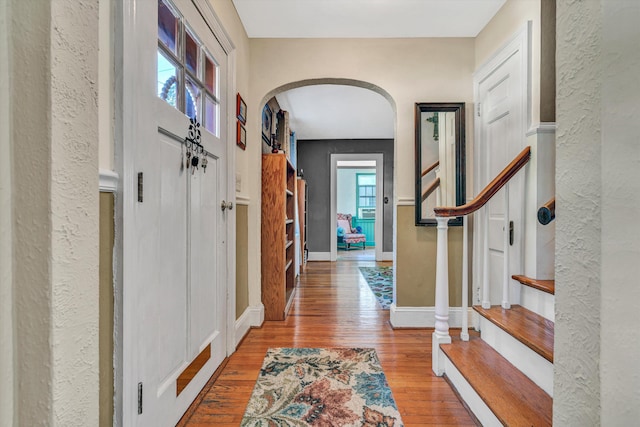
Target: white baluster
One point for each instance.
(441, 333)
(464, 334)
(486, 301)
(505, 270)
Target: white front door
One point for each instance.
(500, 121)
(174, 266)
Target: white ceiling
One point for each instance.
(347, 112)
(365, 18)
(337, 112)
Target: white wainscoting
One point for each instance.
(423, 317)
(108, 181)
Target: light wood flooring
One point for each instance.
(334, 307)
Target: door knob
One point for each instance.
(226, 205)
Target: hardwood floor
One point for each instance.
(334, 307)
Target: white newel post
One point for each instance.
(441, 333)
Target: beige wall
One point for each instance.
(106, 308)
(406, 71)
(242, 262)
(416, 263)
(509, 20)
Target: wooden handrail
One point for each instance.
(430, 189)
(430, 168)
(492, 188)
(547, 212)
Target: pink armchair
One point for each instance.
(347, 235)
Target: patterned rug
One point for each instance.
(335, 387)
(380, 280)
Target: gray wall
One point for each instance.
(314, 157)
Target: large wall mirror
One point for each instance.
(440, 159)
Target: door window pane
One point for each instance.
(211, 115)
(191, 53)
(167, 80)
(168, 24)
(210, 74)
(193, 94)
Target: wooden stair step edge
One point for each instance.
(514, 398)
(548, 286)
(529, 328)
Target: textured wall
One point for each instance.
(74, 210)
(314, 157)
(55, 199)
(578, 221)
(6, 231)
(620, 148)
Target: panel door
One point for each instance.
(176, 272)
(501, 140)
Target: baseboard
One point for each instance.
(423, 317)
(319, 256)
(387, 256)
(252, 317)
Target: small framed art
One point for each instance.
(266, 124)
(241, 110)
(241, 136)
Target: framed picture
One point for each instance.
(241, 110)
(241, 136)
(266, 124)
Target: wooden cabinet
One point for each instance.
(278, 250)
(302, 218)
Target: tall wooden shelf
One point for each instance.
(278, 204)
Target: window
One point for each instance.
(366, 195)
(187, 73)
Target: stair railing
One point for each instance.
(547, 212)
(443, 213)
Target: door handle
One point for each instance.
(510, 233)
(226, 205)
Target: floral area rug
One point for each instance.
(380, 280)
(335, 387)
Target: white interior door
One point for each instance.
(501, 136)
(175, 249)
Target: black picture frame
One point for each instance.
(460, 172)
(266, 124)
(241, 109)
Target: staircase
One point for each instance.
(505, 376)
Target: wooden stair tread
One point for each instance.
(548, 286)
(530, 328)
(511, 395)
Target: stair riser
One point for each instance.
(534, 366)
(475, 403)
(539, 302)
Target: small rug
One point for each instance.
(380, 280)
(334, 387)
